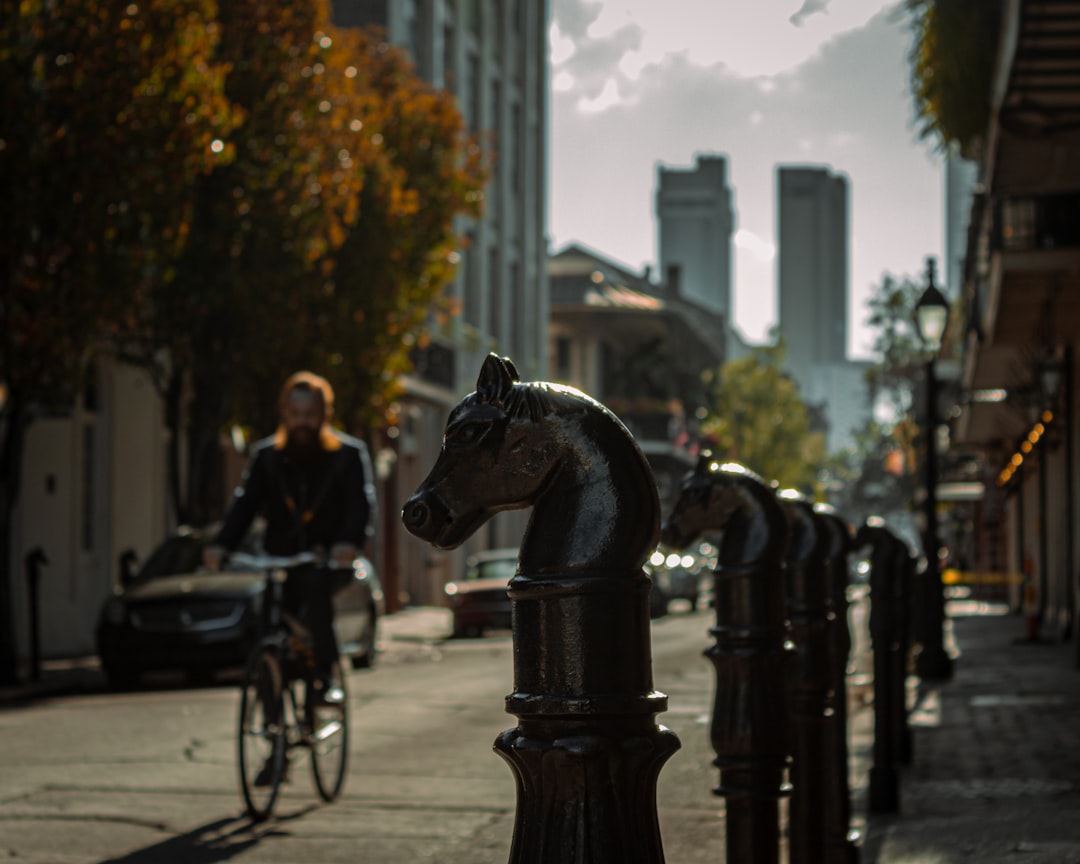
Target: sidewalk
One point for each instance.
(415, 626)
(995, 770)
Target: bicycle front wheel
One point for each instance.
(261, 746)
(330, 741)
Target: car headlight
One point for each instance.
(115, 611)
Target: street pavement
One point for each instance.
(995, 773)
(995, 769)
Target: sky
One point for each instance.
(639, 83)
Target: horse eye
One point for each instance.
(466, 434)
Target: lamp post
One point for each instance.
(931, 318)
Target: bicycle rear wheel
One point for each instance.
(261, 745)
(330, 741)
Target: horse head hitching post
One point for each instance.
(749, 728)
(885, 623)
(841, 841)
(587, 750)
(810, 677)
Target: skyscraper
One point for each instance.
(812, 265)
(696, 219)
(812, 274)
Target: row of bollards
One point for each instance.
(781, 656)
(587, 750)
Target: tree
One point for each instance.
(760, 422)
(421, 171)
(952, 59)
(878, 474)
(896, 344)
(324, 244)
(107, 113)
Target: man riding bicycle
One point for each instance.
(313, 485)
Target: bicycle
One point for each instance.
(277, 714)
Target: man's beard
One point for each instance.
(302, 445)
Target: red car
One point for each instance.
(480, 601)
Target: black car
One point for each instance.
(677, 576)
(480, 601)
(172, 614)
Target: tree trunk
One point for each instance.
(206, 467)
(11, 453)
(174, 392)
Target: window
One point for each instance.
(563, 371)
(471, 312)
(518, 341)
(472, 91)
(495, 290)
(515, 148)
(449, 55)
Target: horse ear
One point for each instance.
(512, 369)
(705, 460)
(495, 379)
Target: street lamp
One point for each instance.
(931, 318)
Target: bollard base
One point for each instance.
(588, 797)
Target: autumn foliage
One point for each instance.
(759, 420)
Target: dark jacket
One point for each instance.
(330, 500)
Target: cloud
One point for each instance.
(761, 249)
(764, 38)
(810, 7)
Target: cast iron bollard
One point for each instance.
(809, 679)
(884, 778)
(903, 589)
(749, 729)
(34, 561)
(587, 750)
(841, 841)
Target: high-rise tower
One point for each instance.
(813, 233)
(695, 219)
(812, 265)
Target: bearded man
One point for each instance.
(313, 486)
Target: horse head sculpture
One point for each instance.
(729, 498)
(511, 445)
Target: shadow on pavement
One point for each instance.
(219, 840)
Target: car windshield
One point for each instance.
(181, 554)
(496, 568)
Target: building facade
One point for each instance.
(639, 348)
(1020, 308)
(92, 487)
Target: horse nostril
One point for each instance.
(415, 515)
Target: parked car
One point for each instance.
(677, 577)
(479, 600)
(171, 614)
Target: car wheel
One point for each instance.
(365, 657)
